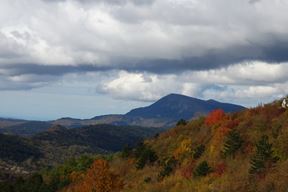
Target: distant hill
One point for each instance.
(17, 149)
(26, 128)
(175, 107)
(58, 144)
(109, 138)
(163, 113)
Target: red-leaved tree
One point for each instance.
(214, 117)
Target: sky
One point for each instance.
(82, 58)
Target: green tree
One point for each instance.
(126, 152)
(264, 156)
(198, 151)
(181, 122)
(167, 167)
(202, 169)
(232, 143)
(144, 154)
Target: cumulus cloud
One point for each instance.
(186, 34)
(199, 47)
(139, 86)
(246, 83)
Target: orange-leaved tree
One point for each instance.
(99, 178)
(214, 117)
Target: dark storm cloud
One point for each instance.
(116, 2)
(52, 70)
(275, 52)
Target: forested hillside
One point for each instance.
(22, 156)
(243, 151)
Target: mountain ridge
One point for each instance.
(165, 112)
(186, 106)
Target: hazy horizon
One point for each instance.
(123, 110)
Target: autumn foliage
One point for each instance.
(222, 152)
(184, 148)
(187, 170)
(219, 169)
(99, 178)
(214, 117)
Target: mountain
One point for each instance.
(6, 122)
(175, 107)
(26, 128)
(164, 113)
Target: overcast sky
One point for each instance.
(82, 58)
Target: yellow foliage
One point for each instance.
(184, 148)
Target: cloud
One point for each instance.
(254, 1)
(25, 82)
(200, 48)
(113, 2)
(138, 86)
(246, 83)
(182, 35)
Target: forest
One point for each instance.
(242, 151)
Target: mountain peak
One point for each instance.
(176, 106)
(176, 96)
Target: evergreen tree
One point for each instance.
(181, 122)
(233, 142)
(139, 149)
(126, 152)
(263, 157)
(168, 166)
(202, 169)
(144, 155)
(198, 151)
